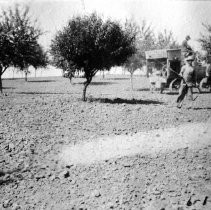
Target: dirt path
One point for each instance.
(192, 135)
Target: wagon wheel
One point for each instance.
(165, 71)
(204, 85)
(174, 85)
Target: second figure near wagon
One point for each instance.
(188, 76)
(186, 48)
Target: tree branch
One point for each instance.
(94, 72)
(5, 68)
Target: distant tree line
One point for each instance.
(205, 39)
(87, 43)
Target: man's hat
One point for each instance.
(187, 37)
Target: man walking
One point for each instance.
(188, 81)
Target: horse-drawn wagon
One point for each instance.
(168, 62)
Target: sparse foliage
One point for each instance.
(165, 40)
(132, 64)
(40, 59)
(92, 44)
(205, 39)
(135, 61)
(146, 39)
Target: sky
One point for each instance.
(182, 17)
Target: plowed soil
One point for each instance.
(133, 149)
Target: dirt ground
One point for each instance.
(152, 155)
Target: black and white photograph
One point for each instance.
(105, 104)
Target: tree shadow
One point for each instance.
(98, 83)
(194, 92)
(41, 93)
(8, 88)
(172, 93)
(143, 89)
(38, 81)
(201, 108)
(102, 83)
(203, 92)
(5, 182)
(117, 78)
(125, 101)
(12, 78)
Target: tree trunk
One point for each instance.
(13, 74)
(84, 90)
(26, 76)
(147, 69)
(2, 70)
(86, 83)
(70, 78)
(1, 83)
(131, 80)
(35, 73)
(123, 71)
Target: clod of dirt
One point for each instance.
(205, 201)
(189, 203)
(64, 174)
(52, 177)
(7, 203)
(15, 206)
(96, 193)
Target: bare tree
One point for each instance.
(165, 40)
(146, 39)
(132, 64)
